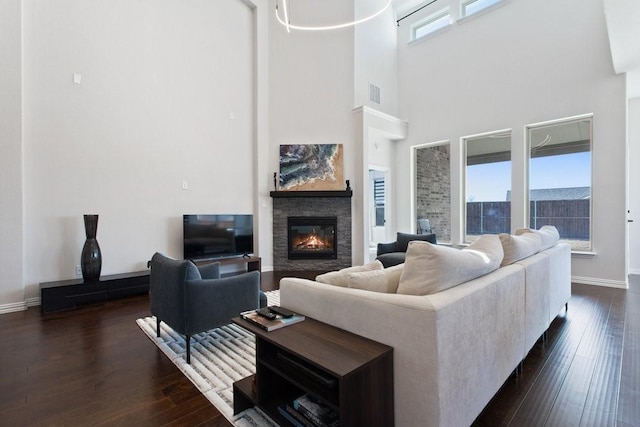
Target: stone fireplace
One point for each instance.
(311, 230)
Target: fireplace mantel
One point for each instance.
(290, 194)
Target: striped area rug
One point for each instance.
(219, 357)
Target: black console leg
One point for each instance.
(566, 306)
(157, 327)
(188, 349)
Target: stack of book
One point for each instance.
(270, 324)
(306, 411)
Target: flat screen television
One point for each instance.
(217, 236)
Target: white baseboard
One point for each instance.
(19, 306)
(13, 307)
(32, 302)
(619, 284)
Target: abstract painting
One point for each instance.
(311, 167)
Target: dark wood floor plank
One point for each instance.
(629, 404)
(600, 408)
(572, 396)
(541, 397)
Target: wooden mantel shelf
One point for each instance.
(290, 194)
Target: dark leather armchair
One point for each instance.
(394, 253)
(193, 299)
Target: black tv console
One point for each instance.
(69, 294)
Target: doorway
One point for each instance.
(378, 207)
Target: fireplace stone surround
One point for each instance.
(313, 204)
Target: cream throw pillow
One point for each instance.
(519, 247)
(385, 281)
(548, 234)
(339, 278)
(432, 268)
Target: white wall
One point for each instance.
(634, 179)
(523, 63)
(167, 96)
(311, 77)
(376, 58)
(11, 248)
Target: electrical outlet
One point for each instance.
(78, 271)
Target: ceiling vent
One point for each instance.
(374, 93)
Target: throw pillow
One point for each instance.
(385, 281)
(432, 268)
(192, 272)
(519, 247)
(549, 235)
(403, 239)
(339, 278)
(210, 271)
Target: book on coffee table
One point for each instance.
(271, 324)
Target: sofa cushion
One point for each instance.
(432, 268)
(339, 278)
(385, 280)
(403, 239)
(548, 234)
(519, 247)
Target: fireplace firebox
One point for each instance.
(312, 237)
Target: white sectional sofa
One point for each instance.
(453, 349)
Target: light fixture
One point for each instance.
(285, 21)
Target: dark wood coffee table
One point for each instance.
(351, 374)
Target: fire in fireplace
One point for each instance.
(312, 237)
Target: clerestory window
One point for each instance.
(432, 23)
(470, 7)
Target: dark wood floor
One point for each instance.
(93, 366)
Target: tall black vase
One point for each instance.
(91, 260)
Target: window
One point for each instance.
(469, 7)
(488, 184)
(431, 24)
(378, 199)
(433, 190)
(560, 179)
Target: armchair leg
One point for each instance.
(157, 327)
(188, 349)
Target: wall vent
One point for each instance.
(374, 93)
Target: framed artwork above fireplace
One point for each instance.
(311, 167)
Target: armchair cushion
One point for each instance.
(193, 273)
(386, 248)
(403, 239)
(210, 271)
(392, 259)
